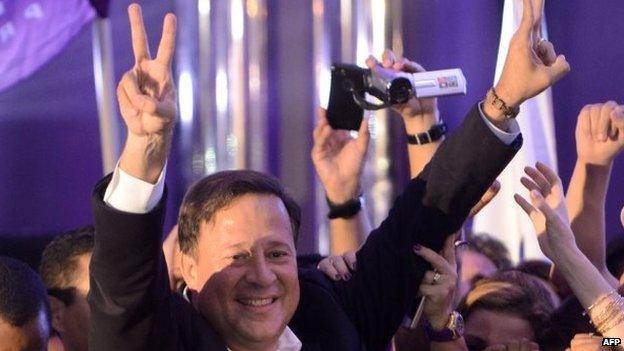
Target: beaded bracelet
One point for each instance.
(600, 299)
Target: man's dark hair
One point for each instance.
(22, 295)
(59, 261)
(515, 293)
(491, 248)
(536, 268)
(216, 191)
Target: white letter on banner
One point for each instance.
(34, 11)
(7, 32)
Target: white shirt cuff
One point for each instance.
(505, 137)
(129, 194)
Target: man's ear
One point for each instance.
(57, 308)
(188, 268)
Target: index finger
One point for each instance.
(166, 48)
(139, 38)
(538, 7)
(437, 262)
(448, 251)
(526, 25)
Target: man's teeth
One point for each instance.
(257, 302)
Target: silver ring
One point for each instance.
(436, 277)
(540, 41)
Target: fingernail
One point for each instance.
(417, 247)
(337, 277)
(347, 276)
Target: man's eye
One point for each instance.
(278, 254)
(240, 257)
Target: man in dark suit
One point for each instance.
(238, 229)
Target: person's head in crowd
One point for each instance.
(482, 257)
(507, 306)
(615, 258)
(541, 270)
(237, 233)
(24, 310)
(64, 270)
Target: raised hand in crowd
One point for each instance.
(600, 133)
(547, 210)
(439, 283)
(419, 115)
(545, 186)
(147, 100)
(532, 65)
(599, 139)
(339, 161)
(521, 345)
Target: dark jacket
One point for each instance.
(133, 309)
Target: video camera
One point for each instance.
(351, 83)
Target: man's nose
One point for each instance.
(260, 272)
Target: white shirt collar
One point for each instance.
(288, 341)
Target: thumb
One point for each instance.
(558, 69)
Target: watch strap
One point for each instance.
(433, 134)
(344, 210)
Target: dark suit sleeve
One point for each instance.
(129, 293)
(433, 206)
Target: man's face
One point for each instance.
(32, 336)
(486, 328)
(75, 318)
(244, 275)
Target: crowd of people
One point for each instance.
(228, 276)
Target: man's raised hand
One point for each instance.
(147, 101)
(146, 93)
(532, 64)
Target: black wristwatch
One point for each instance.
(453, 330)
(434, 133)
(344, 210)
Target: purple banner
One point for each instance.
(34, 31)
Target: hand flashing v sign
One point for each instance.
(147, 101)
(146, 93)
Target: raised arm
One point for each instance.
(547, 210)
(599, 139)
(146, 96)
(128, 278)
(419, 115)
(339, 160)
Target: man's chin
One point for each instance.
(257, 331)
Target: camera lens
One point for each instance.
(400, 90)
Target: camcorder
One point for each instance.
(350, 85)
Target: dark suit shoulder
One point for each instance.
(320, 321)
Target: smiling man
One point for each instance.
(246, 281)
(238, 229)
